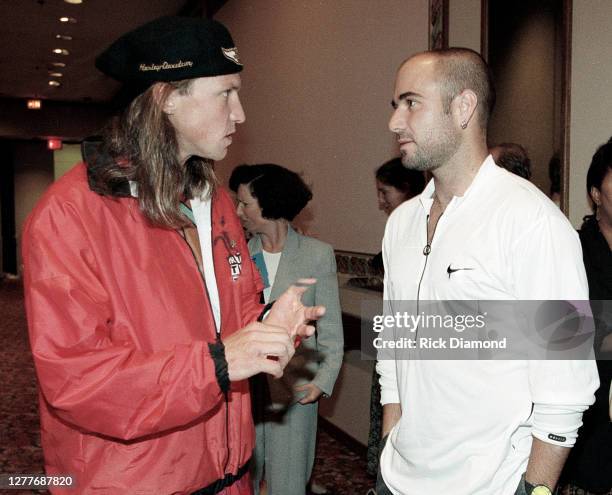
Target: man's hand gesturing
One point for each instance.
(288, 311)
(267, 347)
(247, 351)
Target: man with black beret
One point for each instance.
(142, 301)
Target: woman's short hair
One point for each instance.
(601, 164)
(394, 173)
(281, 193)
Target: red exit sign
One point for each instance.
(54, 144)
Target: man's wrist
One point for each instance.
(537, 489)
(526, 488)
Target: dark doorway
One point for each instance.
(7, 208)
(527, 45)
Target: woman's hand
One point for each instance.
(313, 393)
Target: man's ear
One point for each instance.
(164, 95)
(464, 106)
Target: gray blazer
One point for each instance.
(317, 359)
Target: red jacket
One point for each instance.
(119, 325)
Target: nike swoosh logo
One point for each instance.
(450, 270)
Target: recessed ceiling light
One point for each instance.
(61, 51)
(54, 83)
(57, 64)
(74, 2)
(55, 74)
(64, 37)
(71, 20)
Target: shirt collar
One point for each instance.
(482, 177)
(133, 188)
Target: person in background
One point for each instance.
(589, 467)
(513, 157)
(476, 233)
(394, 184)
(269, 198)
(142, 302)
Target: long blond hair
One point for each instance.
(141, 146)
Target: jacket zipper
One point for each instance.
(217, 333)
(195, 259)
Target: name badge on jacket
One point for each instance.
(235, 263)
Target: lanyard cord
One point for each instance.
(188, 213)
(426, 252)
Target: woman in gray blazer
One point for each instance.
(285, 409)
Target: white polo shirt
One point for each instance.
(466, 426)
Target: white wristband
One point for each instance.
(557, 424)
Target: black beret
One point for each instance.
(171, 49)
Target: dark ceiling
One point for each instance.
(28, 30)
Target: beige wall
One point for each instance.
(317, 84)
(464, 23)
(35, 170)
(33, 174)
(349, 406)
(65, 159)
(591, 117)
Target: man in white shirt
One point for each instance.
(477, 232)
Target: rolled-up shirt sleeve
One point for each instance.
(561, 390)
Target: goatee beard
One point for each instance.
(418, 163)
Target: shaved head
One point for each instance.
(458, 69)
